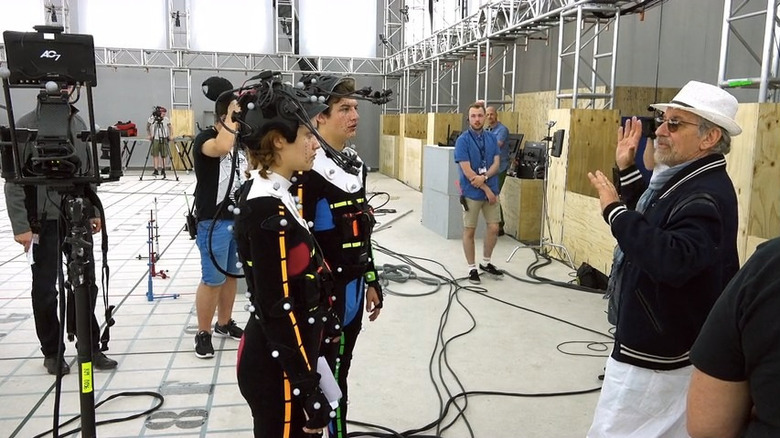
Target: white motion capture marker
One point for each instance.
(332, 414)
(252, 308)
(294, 179)
(283, 222)
(276, 186)
(286, 306)
(230, 227)
(250, 105)
(316, 405)
(230, 208)
(5, 73)
(296, 392)
(248, 294)
(246, 306)
(333, 298)
(52, 87)
(310, 224)
(312, 320)
(339, 269)
(274, 354)
(236, 211)
(239, 265)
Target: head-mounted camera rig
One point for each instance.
(324, 85)
(267, 103)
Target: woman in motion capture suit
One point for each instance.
(278, 355)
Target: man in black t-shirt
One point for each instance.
(736, 379)
(212, 163)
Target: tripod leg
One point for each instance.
(146, 161)
(170, 155)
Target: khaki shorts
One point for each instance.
(160, 148)
(492, 213)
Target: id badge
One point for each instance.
(482, 171)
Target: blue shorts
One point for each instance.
(224, 248)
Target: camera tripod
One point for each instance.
(545, 242)
(157, 135)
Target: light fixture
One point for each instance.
(383, 39)
(176, 19)
(405, 13)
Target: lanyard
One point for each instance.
(481, 148)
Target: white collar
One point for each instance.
(336, 175)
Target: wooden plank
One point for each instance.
(416, 126)
(412, 160)
(387, 159)
(533, 111)
(556, 179)
(592, 143)
(586, 236)
(183, 122)
(440, 125)
(521, 202)
(739, 165)
(764, 215)
(400, 163)
(752, 243)
(633, 101)
(182, 125)
(391, 124)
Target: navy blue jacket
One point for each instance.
(679, 256)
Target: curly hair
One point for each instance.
(263, 157)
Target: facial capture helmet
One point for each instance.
(274, 105)
(320, 84)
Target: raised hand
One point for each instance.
(628, 142)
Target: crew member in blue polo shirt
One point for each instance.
(502, 133)
(477, 155)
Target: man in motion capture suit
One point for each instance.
(333, 198)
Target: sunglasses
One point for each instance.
(672, 124)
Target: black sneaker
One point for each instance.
(203, 347)
(163, 173)
(51, 366)
(228, 330)
(490, 269)
(474, 277)
(101, 362)
(155, 173)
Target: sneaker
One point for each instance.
(490, 269)
(163, 173)
(155, 173)
(228, 330)
(203, 347)
(474, 277)
(101, 362)
(51, 366)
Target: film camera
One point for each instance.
(157, 113)
(54, 147)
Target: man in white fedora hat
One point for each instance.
(676, 252)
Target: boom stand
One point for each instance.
(544, 241)
(151, 226)
(79, 258)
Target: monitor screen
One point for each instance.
(453, 138)
(513, 142)
(534, 152)
(557, 143)
(37, 57)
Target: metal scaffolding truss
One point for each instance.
(223, 61)
(747, 15)
(588, 31)
(505, 20)
(445, 85)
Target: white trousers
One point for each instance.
(640, 402)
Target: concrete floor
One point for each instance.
(508, 343)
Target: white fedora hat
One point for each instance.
(707, 101)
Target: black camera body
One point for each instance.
(157, 114)
(54, 147)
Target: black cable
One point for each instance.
(155, 395)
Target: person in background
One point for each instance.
(212, 161)
(676, 252)
(160, 133)
(495, 127)
(39, 225)
(478, 158)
